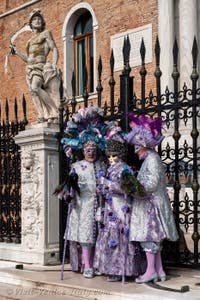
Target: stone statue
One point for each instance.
(43, 77)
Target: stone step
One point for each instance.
(25, 284)
(42, 284)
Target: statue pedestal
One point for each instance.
(39, 208)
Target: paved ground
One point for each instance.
(34, 283)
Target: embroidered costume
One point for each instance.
(82, 227)
(83, 132)
(151, 219)
(114, 254)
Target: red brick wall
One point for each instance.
(113, 17)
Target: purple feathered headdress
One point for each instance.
(146, 131)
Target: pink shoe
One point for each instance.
(143, 279)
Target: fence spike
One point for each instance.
(175, 73)
(112, 62)
(85, 92)
(100, 67)
(25, 121)
(175, 52)
(126, 54)
(194, 76)
(7, 111)
(85, 77)
(194, 52)
(61, 90)
(157, 51)
(16, 110)
(99, 87)
(142, 51)
(73, 84)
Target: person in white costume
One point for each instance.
(152, 219)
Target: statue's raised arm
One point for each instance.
(42, 76)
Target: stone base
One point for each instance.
(14, 253)
(39, 207)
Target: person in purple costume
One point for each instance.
(115, 256)
(152, 219)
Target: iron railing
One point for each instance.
(10, 175)
(180, 153)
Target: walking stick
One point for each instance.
(125, 250)
(65, 244)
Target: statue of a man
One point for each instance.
(42, 77)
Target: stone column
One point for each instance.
(166, 38)
(39, 208)
(198, 32)
(187, 31)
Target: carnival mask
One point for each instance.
(90, 152)
(113, 159)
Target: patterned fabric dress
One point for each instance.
(82, 226)
(114, 254)
(152, 218)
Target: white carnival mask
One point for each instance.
(113, 159)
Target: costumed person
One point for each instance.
(42, 77)
(83, 132)
(115, 256)
(152, 218)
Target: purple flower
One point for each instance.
(112, 216)
(100, 174)
(112, 243)
(109, 198)
(125, 209)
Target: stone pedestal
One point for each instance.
(39, 208)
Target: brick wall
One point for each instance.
(113, 17)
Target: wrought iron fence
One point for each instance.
(10, 175)
(180, 152)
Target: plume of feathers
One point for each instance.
(131, 185)
(86, 125)
(68, 187)
(154, 125)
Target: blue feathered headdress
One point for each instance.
(87, 125)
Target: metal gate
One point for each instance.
(180, 151)
(10, 176)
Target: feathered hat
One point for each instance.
(86, 127)
(145, 131)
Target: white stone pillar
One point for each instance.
(187, 31)
(198, 33)
(39, 208)
(166, 38)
